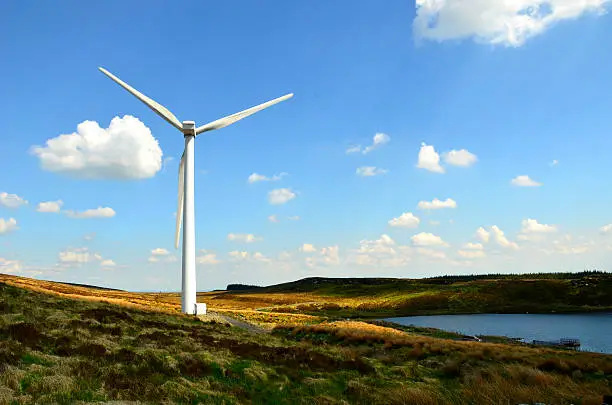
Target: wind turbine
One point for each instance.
(186, 209)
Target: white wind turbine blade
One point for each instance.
(181, 195)
(230, 119)
(152, 104)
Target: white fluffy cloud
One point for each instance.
(482, 234)
(273, 218)
(160, 252)
(406, 220)
(280, 196)
(378, 140)
(461, 158)
(208, 258)
(606, 228)
(437, 204)
(501, 239)
(11, 200)
(330, 254)
(8, 225)
(524, 181)
(78, 256)
(427, 239)
(307, 248)
(508, 23)
(100, 212)
(50, 206)
(244, 237)
(473, 246)
(429, 159)
(124, 150)
(368, 171)
(254, 178)
(257, 257)
(108, 263)
(532, 226)
(383, 245)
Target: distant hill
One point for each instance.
(241, 287)
(322, 283)
(90, 286)
(385, 297)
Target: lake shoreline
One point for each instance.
(590, 328)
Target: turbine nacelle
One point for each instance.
(189, 128)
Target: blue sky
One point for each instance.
(509, 90)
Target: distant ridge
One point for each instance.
(89, 286)
(313, 283)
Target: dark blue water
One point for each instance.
(593, 330)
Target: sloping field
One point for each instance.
(64, 346)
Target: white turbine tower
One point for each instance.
(185, 212)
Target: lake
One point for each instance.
(594, 330)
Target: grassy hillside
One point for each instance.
(382, 297)
(66, 350)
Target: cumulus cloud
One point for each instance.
(429, 159)
(383, 245)
(437, 204)
(124, 150)
(242, 237)
(50, 206)
(461, 158)
(406, 220)
(524, 181)
(378, 140)
(331, 254)
(473, 246)
(482, 234)
(532, 226)
(427, 239)
(100, 212)
(108, 263)
(208, 258)
(11, 200)
(507, 23)
(369, 171)
(272, 218)
(254, 178)
(606, 228)
(78, 256)
(8, 225)
(160, 252)
(307, 248)
(280, 196)
(501, 239)
(257, 257)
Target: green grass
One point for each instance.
(60, 350)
